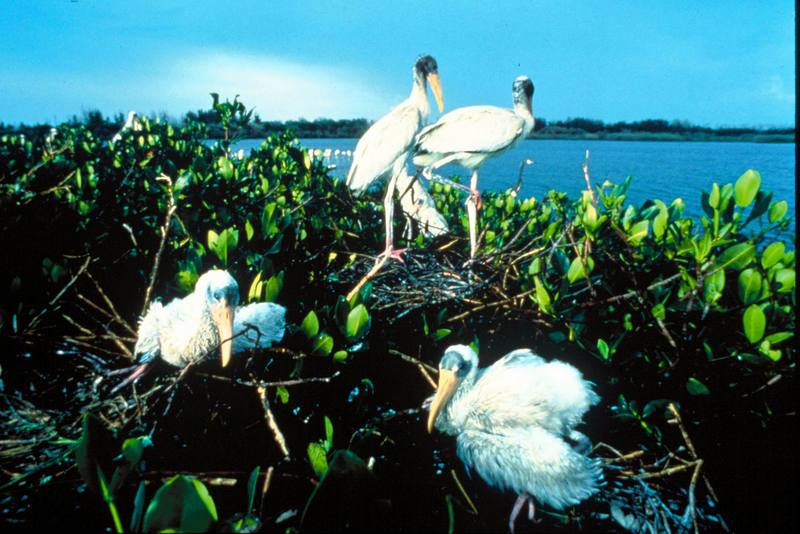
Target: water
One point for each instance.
(660, 169)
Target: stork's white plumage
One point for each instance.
(418, 206)
(383, 149)
(512, 422)
(470, 135)
(131, 123)
(187, 329)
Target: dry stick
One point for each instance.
(464, 492)
(264, 489)
(422, 366)
(269, 417)
(60, 293)
(671, 407)
(164, 232)
(110, 305)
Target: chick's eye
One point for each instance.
(218, 295)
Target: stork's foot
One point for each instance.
(520, 502)
(392, 253)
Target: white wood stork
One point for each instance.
(511, 420)
(383, 149)
(187, 329)
(468, 136)
(131, 123)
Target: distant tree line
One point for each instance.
(105, 127)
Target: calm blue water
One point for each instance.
(664, 170)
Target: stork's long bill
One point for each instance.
(222, 314)
(448, 383)
(436, 87)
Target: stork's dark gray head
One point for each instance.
(426, 70)
(426, 65)
(460, 359)
(522, 90)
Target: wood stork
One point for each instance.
(468, 136)
(512, 422)
(131, 123)
(418, 206)
(383, 149)
(187, 329)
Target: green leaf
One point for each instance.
(252, 483)
(659, 311)
(274, 286)
(779, 337)
(785, 279)
(441, 333)
(328, 432)
(777, 211)
(602, 347)
(310, 325)
(713, 198)
(357, 322)
(220, 244)
(282, 393)
(754, 322)
(772, 254)
(542, 297)
(340, 355)
(736, 257)
(746, 188)
(248, 230)
(182, 503)
(576, 271)
(323, 345)
(765, 348)
(695, 387)
(318, 458)
(749, 285)
(225, 167)
(638, 232)
(660, 220)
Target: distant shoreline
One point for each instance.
(641, 136)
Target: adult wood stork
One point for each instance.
(469, 136)
(383, 149)
(511, 420)
(187, 329)
(131, 123)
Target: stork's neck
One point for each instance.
(419, 96)
(452, 419)
(524, 110)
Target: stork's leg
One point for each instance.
(522, 498)
(389, 251)
(388, 210)
(473, 203)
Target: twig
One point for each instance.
(269, 417)
(585, 168)
(60, 293)
(110, 305)
(265, 488)
(464, 492)
(422, 366)
(164, 232)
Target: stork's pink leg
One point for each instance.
(522, 498)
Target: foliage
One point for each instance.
(698, 312)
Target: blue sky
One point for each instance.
(713, 63)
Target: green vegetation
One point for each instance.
(660, 309)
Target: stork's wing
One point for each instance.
(148, 344)
(258, 326)
(521, 390)
(533, 461)
(471, 129)
(383, 143)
